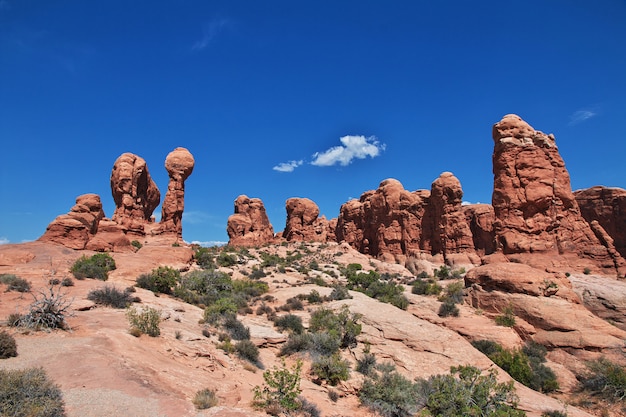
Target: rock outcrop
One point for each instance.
(607, 206)
(304, 224)
(179, 164)
(134, 192)
(535, 209)
(444, 227)
(480, 218)
(249, 226)
(384, 223)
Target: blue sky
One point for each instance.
(280, 99)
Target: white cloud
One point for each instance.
(580, 116)
(209, 32)
(4, 241)
(353, 147)
(287, 166)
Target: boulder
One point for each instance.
(303, 223)
(134, 192)
(76, 228)
(179, 164)
(249, 226)
(534, 205)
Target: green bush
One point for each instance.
(281, 389)
(324, 343)
(110, 296)
(205, 398)
(605, 379)
(145, 321)
(226, 259)
(454, 292)
(216, 312)
(136, 244)
(343, 325)
(160, 280)
(235, 328)
(296, 343)
(257, 273)
(339, 292)
(425, 287)
(203, 287)
(8, 347)
(331, 368)
(443, 272)
(97, 266)
(554, 413)
(204, 258)
(292, 304)
(507, 318)
(448, 308)
(29, 393)
(247, 350)
(370, 284)
(366, 364)
(391, 395)
(314, 297)
(15, 283)
(289, 322)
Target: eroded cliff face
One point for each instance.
(304, 224)
(535, 209)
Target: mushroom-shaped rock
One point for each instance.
(179, 164)
(249, 226)
(134, 192)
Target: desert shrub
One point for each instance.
(289, 322)
(465, 392)
(314, 297)
(110, 296)
(339, 292)
(371, 285)
(324, 343)
(366, 364)
(203, 287)
(271, 260)
(292, 303)
(248, 288)
(145, 321)
(425, 287)
(205, 398)
(226, 259)
(257, 273)
(204, 258)
(14, 319)
(15, 283)
(391, 395)
(443, 272)
(448, 308)
(296, 343)
(247, 350)
(97, 266)
(524, 365)
(29, 393)
(342, 325)
(331, 368)
(235, 328)
(8, 347)
(454, 292)
(218, 310)
(507, 318)
(136, 244)
(605, 379)
(264, 309)
(48, 310)
(587, 271)
(554, 413)
(280, 390)
(159, 280)
(67, 282)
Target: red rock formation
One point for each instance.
(607, 206)
(74, 229)
(249, 226)
(444, 228)
(303, 223)
(179, 164)
(135, 194)
(384, 223)
(480, 218)
(533, 202)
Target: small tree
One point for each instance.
(281, 388)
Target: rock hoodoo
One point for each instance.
(444, 228)
(249, 226)
(179, 164)
(534, 206)
(607, 206)
(384, 223)
(303, 223)
(480, 218)
(134, 192)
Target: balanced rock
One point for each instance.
(179, 164)
(384, 223)
(304, 223)
(607, 206)
(74, 229)
(444, 228)
(535, 209)
(249, 226)
(134, 192)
